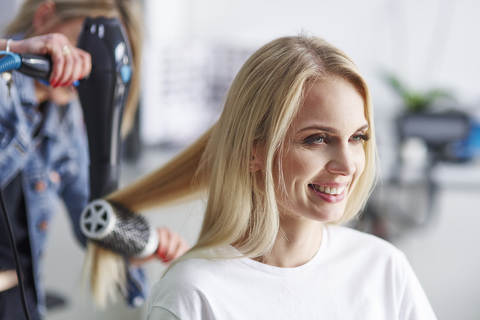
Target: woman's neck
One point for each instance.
(297, 243)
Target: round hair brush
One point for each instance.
(118, 229)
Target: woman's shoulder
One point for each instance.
(193, 273)
(191, 268)
(366, 251)
(349, 233)
(184, 288)
(347, 238)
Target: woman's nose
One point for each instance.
(342, 161)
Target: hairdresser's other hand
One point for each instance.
(68, 62)
(171, 246)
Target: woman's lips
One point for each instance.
(330, 194)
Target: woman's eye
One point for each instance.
(361, 137)
(315, 140)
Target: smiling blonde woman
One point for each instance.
(291, 158)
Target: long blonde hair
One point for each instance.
(130, 13)
(260, 106)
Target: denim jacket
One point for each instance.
(54, 165)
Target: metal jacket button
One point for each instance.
(54, 177)
(43, 225)
(40, 186)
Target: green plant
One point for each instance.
(415, 100)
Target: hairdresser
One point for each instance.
(43, 144)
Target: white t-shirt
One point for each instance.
(353, 276)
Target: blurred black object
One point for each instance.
(401, 201)
(103, 97)
(55, 301)
(132, 146)
(439, 131)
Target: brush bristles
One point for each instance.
(130, 234)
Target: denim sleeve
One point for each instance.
(76, 192)
(137, 287)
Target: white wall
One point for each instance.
(8, 7)
(429, 43)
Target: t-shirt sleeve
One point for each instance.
(414, 303)
(157, 313)
(178, 295)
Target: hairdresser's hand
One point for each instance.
(69, 63)
(171, 246)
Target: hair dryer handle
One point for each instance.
(103, 96)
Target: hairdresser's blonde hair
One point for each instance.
(261, 105)
(130, 13)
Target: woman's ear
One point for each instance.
(43, 14)
(257, 159)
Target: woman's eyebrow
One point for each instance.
(363, 128)
(318, 128)
(330, 129)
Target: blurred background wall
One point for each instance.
(195, 47)
(427, 43)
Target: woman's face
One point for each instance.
(324, 154)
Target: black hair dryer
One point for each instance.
(103, 95)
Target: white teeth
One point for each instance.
(328, 190)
